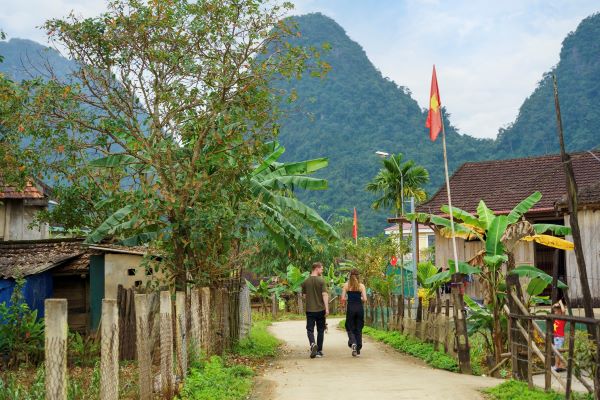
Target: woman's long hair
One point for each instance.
(354, 282)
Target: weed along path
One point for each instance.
(381, 373)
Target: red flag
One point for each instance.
(434, 117)
(355, 226)
(394, 261)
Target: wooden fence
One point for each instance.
(432, 323)
(161, 331)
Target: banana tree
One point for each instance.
(262, 291)
(499, 234)
(283, 215)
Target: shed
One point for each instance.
(18, 208)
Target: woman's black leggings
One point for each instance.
(355, 320)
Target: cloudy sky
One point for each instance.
(489, 54)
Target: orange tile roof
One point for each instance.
(30, 191)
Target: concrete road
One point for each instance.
(381, 373)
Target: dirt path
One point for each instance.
(381, 373)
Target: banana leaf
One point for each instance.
(486, 216)
(523, 207)
(550, 241)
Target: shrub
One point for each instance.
(414, 347)
(515, 390)
(82, 350)
(21, 332)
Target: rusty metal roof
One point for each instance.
(24, 258)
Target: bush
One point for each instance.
(414, 347)
(215, 381)
(515, 390)
(260, 343)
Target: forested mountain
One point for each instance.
(578, 77)
(355, 111)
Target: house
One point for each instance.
(502, 184)
(69, 269)
(51, 268)
(425, 233)
(18, 209)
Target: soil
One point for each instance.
(379, 373)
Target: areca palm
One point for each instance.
(398, 179)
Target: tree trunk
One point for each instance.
(514, 285)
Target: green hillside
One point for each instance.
(353, 112)
(578, 76)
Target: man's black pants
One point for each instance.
(317, 318)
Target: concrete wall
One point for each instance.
(123, 269)
(16, 217)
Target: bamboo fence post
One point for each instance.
(181, 335)
(548, 355)
(529, 356)
(446, 325)
(570, 359)
(205, 339)
(401, 312)
(56, 348)
(225, 326)
(274, 305)
(166, 345)
(109, 351)
(143, 346)
(462, 340)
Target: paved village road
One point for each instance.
(381, 373)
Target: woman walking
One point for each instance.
(355, 294)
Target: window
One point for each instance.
(430, 240)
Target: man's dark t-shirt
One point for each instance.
(314, 287)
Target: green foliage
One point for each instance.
(83, 351)
(414, 347)
(21, 332)
(12, 389)
(260, 343)
(584, 354)
(212, 380)
(516, 390)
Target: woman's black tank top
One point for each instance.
(354, 297)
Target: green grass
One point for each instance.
(516, 390)
(260, 343)
(213, 380)
(414, 347)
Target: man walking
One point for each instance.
(315, 293)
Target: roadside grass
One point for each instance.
(515, 390)
(260, 343)
(230, 378)
(414, 347)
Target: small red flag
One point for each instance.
(394, 261)
(355, 226)
(434, 117)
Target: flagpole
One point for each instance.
(448, 190)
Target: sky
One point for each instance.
(489, 55)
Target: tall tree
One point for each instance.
(171, 101)
(397, 180)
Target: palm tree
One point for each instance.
(397, 180)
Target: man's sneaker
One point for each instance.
(354, 351)
(349, 344)
(320, 354)
(313, 350)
